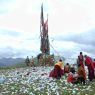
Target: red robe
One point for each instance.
(94, 64)
(56, 72)
(81, 72)
(89, 63)
(81, 59)
(70, 77)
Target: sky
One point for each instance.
(71, 27)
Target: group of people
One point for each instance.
(29, 62)
(78, 75)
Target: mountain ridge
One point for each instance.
(11, 61)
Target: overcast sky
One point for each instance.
(71, 27)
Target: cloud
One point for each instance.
(6, 32)
(5, 6)
(71, 16)
(76, 42)
(64, 16)
(69, 22)
(86, 37)
(9, 51)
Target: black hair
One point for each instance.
(72, 69)
(60, 60)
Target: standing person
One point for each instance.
(81, 74)
(67, 68)
(81, 59)
(89, 64)
(57, 72)
(94, 66)
(27, 61)
(94, 63)
(32, 62)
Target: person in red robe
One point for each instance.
(81, 74)
(78, 77)
(81, 59)
(89, 64)
(94, 66)
(72, 77)
(94, 63)
(57, 72)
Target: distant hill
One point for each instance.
(21, 61)
(11, 61)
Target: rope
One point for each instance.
(55, 51)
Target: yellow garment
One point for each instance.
(60, 64)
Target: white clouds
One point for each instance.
(72, 16)
(6, 6)
(65, 16)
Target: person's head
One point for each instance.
(78, 56)
(67, 64)
(85, 56)
(60, 60)
(72, 70)
(80, 52)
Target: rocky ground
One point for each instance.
(36, 81)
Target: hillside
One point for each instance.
(11, 61)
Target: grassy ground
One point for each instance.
(13, 66)
(19, 82)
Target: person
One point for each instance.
(77, 61)
(94, 67)
(27, 61)
(89, 64)
(94, 63)
(57, 72)
(71, 78)
(32, 62)
(72, 68)
(81, 59)
(67, 68)
(81, 74)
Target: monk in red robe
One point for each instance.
(57, 72)
(81, 74)
(94, 63)
(89, 64)
(81, 59)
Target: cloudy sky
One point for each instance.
(71, 27)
